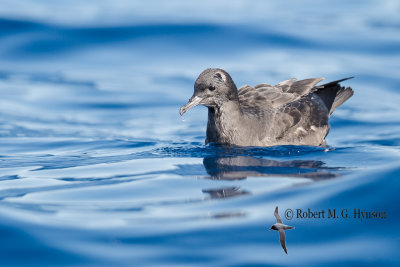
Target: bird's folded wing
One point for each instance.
(265, 96)
(282, 239)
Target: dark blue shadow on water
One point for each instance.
(43, 39)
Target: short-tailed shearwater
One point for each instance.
(289, 113)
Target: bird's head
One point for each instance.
(212, 88)
(273, 227)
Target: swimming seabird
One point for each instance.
(280, 227)
(289, 113)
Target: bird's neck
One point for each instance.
(223, 121)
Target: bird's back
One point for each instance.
(291, 112)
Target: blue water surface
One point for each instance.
(97, 168)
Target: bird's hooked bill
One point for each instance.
(193, 101)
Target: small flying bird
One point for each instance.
(289, 113)
(280, 227)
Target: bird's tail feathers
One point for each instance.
(342, 95)
(333, 94)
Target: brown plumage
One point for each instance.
(289, 113)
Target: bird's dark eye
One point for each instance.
(211, 88)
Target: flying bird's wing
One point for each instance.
(277, 216)
(264, 96)
(282, 239)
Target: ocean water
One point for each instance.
(97, 168)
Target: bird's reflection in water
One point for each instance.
(241, 167)
(225, 192)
